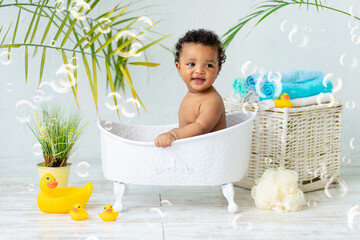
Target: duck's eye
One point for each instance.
(78, 206)
(54, 179)
(47, 179)
(104, 207)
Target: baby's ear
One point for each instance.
(219, 70)
(177, 64)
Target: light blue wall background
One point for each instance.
(267, 46)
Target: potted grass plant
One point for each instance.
(57, 134)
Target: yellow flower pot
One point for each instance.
(61, 174)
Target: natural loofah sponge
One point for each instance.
(277, 189)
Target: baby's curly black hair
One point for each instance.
(202, 36)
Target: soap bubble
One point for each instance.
(60, 5)
(108, 125)
(351, 143)
(63, 79)
(159, 213)
(268, 160)
(86, 165)
(9, 87)
(353, 64)
(84, 32)
(132, 103)
(292, 32)
(134, 46)
(342, 188)
(243, 224)
(37, 150)
(282, 25)
(41, 94)
(165, 201)
(323, 176)
(76, 10)
(306, 40)
(103, 28)
(244, 68)
(350, 104)
(24, 111)
(351, 214)
(31, 187)
(329, 77)
(312, 203)
(346, 160)
(5, 57)
(110, 98)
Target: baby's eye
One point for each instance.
(191, 64)
(209, 65)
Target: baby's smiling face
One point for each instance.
(198, 66)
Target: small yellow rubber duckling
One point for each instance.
(108, 214)
(78, 213)
(284, 101)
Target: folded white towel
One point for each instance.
(298, 102)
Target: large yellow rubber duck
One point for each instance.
(284, 101)
(60, 200)
(78, 213)
(108, 214)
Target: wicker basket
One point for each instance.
(305, 139)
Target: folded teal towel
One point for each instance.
(297, 84)
(239, 87)
(288, 77)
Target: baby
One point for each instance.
(198, 59)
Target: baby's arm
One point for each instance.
(209, 115)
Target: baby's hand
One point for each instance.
(164, 140)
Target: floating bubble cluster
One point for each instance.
(63, 79)
(294, 30)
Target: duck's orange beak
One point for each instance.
(75, 209)
(109, 210)
(52, 184)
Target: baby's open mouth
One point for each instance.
(198, 80)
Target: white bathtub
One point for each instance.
(129, 156)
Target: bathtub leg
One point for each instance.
(119, 190)
(228, 191)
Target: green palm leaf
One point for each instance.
(37, 22)
(31, 22)
(6, 34)
(69, 77)
(42, 65)
(26, 63)
(111, 85)
(147, 64)
(265, 9)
